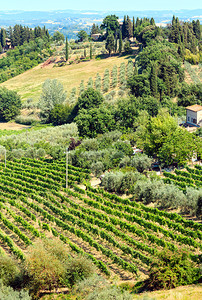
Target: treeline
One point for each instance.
(18, 35)
(29, 48)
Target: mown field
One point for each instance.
(29, 84)
(121, 236)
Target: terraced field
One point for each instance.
(121, 236)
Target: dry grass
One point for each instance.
(29, 84)
(190, 292)
(12, 126)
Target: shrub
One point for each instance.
(110, 293)
(45, 265)
(89, 285)
(141, 162)
(27, 120)
(169, 196)
(9, 270)
(89, 99)
(172, 269)
(10, 104)
(7, 293)
(78, 268)
(97, 168)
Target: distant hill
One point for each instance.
(69, 22)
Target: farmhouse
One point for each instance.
(194, 115)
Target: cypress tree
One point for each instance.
(128, 28)
(197, 30)
(84, 53)
(1, 49)
(3, 38)
(133, 26)
(124, 28)
(91, 51)
(67, 50)
(120, 42)
(153, 80)
(116, 44)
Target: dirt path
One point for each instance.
(12, 126)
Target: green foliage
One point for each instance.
(92, 121)
(45, 265)
(171, 270)
(127, 47)
(52, 94)
(111, 24)
(9, 270)
(90, 99)
(82, 36)
(59, 114)
(110, 293)
(23, 58)
(110, 46)
(10, 104)
(78, 268)
(7, 293)
(58, 36)
(141, 162)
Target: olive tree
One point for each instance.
(52, 94)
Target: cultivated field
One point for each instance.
(29, 84)
(121, 236)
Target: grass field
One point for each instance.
(29, 84)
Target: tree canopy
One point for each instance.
(10, 104)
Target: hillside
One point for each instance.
(29, 84)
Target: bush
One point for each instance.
(141, 162)
(10, 104)
(45, 265)
(7, 293)
(172, 269)
(110, 293)
(89, 285)
(78, 268)
(27, 120)
(90, 99)
(9, 270)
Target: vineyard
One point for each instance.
(192, 177)
(120, 236)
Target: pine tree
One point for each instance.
(66, 50)
(120, 42)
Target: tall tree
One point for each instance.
(67, 50)
(133, 26)
(3, 37)
(91, 51)
(111, 24)
(110, 43)
(153, 80)
(128, 28)
(120, 42)
(124, 28)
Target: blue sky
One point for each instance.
(116, 5)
